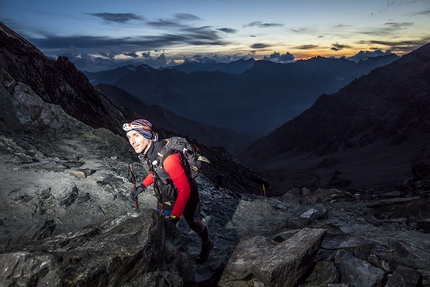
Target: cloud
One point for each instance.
(186, 17)
(397, 26)
(164, 23)
(279, 58)
(259, 46)
(207, 59)
(338, 47)
(85, 62)
(146, 55)
(228, 30)
(116, 17)
(306, 47)
(426, 12)
(260, 24)
(388, 28)
(86, 51)
(342, 26)
(302, 30)
(364, 55)
(186, 35)
(401, 46)
(177, 21)
(132, 54)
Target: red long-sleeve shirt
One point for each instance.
(173, 166)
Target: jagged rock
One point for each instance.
(274, 264)
(324, 273)
(357, 272)
(311, 214)
(403, 276)
(425, 276)
(280, 237)
(392, 201)
(346, 242)
(420, 170)
(424, 225)
(140, 251)
(413, 256)
(78, 173)
(70, 197)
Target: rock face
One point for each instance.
(59, 82)
(281, 264)
(133, 250)
(371, 239)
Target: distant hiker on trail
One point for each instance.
(174, 187)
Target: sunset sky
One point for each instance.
(102, 34)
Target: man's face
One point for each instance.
(137, 141)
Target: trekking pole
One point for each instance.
(132, 179)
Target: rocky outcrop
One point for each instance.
(137, 250)
(59, 82)
(282, 264)
(372, 238)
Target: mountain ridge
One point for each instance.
(385, 112)
(267, 94)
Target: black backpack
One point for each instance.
(189, 154)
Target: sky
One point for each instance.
(104, 34)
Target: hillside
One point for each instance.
(369, 132)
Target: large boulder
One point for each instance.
(137, 251)
(260, 259)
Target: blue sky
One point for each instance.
(103, 34)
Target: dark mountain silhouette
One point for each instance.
(59, 82)
(234, 67)
(369, 132)
(257, 100)
(211, 136)
(110, 75)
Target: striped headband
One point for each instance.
(143, 127)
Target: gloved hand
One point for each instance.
(173, 219)
(134, 192)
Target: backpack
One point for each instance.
(191, 159)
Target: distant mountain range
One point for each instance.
(233, 67)
(261, 98)
(367, 133)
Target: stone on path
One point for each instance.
(274, 264)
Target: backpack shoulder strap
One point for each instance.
(165, 151)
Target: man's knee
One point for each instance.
(197, 226)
